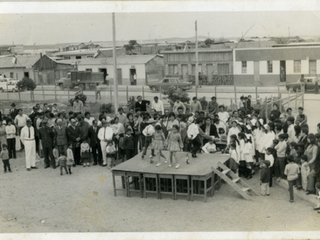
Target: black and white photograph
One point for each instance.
(159, 120)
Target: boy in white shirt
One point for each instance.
(209, 147)
(148, 132)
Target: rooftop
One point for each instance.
(127, 59)
(26, 61)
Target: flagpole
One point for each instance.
(197, 61)
(115, 73)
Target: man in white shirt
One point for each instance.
(20, 121)
(193, 135)
(121, 115)
(105, 134)
(28, 139)
(157, 105)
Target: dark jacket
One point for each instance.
(142, 105)
(73, 134)
(213, 130)
(265, 175)
(128, 142)
(84, 131)
(60, 135)
(46, 135)
(93, 135)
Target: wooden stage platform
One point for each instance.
(194, 179)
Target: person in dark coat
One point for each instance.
(210, 129)
(60, 137)
(142, 104)
(95, 143)
(73, 133)
(46, 135)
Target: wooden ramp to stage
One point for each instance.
(195, 179)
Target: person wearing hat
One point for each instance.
(73, 133)
(265, 178)
(28, 139)
(105, 134)
(46, 135)
(213, 106)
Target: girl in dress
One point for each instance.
(175, 144)
(158, 143)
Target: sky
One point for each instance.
(37, 28)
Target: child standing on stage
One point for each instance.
(4, 155)
(265, 178)
(234, 158)
(111, 153)
(158, 143)
(85, 154)
(70, 159)
(175, 144)
(148, 132)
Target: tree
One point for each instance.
(26, 84)
(173, 94)
(208, 42)
(131, 45)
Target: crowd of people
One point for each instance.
(279, 144)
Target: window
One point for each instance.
(88, 69)
(297, 66)
(223, 69)
(244, 67)
(78, 57)
(173, 69)
(11, 75)
(270, 67)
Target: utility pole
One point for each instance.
(115, 72)
(197, 60)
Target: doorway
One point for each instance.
(312, 68)
(133, 76)
(105, 74)
(283, 71)
(26, 74)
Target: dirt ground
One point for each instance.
(43, 201)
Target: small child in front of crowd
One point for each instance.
(85, 153)
(4, 155)
(305, 170)
(209, 147)
(111, 154)
(265, 178)
(70, 158)
(292, 172)
(62, 159)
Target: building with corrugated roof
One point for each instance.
(18, 66)
(49, 69)
(145, 67)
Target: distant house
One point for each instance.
(82, 45)
(18, 66)
(271, 66)
(145, 67)
(213, 64)
(48, 69)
